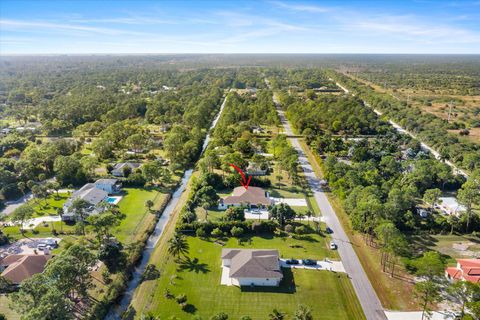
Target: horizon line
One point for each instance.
(228, 53)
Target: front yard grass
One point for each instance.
(329, 295)
(49, 205)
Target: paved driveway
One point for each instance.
(367, 296)
(327, 265)
(292, 202)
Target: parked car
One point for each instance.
(41, 246)
(328, 230)
(309, 262)
(292, 261)
(333, 245)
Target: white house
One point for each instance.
(254, 169)
(95, 194)
(249, 267)
(108, 185)
(450, 205)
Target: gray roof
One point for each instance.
(88, 193)
(249, 263)
(106, 181)
(121, 165)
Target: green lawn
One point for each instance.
(329, 295)
(4, 309)
(133, 206)
(49, 205)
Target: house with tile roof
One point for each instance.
(251, 197)
(250, 267)
(465, 270)
(19, 267)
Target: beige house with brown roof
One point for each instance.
(19, 267)
(252, 197)
(249, 267)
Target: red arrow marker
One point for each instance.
(244, 181)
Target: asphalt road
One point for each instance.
(366, 294)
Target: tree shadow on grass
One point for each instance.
(193, 265)
(190, 308)
(306, 238)
(287, 285)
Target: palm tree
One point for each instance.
(60, 213)
(309, 215)
(276, 315)
(178, 246)
(303, 313)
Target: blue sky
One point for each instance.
(28, 27)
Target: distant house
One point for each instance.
(254, 169)
(119, 168)
(249, 267)
(19, 267)
(94, 194)
(252, 197)
(465, 270)
(422, 212)
(5, 131)
(257, 130)
(450, 205)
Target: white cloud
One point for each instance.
(46, 25)
(301, 7)
(411, 27)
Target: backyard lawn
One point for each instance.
(329, 295)
(133, 206)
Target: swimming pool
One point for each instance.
(114, 200)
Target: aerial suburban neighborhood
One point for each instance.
(251, 160)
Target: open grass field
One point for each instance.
(465, 108)
(133, 206)
(330, 295)
(396, 292)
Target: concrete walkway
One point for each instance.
(33, 223)
(366, 294)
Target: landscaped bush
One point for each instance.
(289, 228)
(200, 232)
(249, 226)
(301, 230)
(236, 231)
(217, 232)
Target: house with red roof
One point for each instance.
(466, 270)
